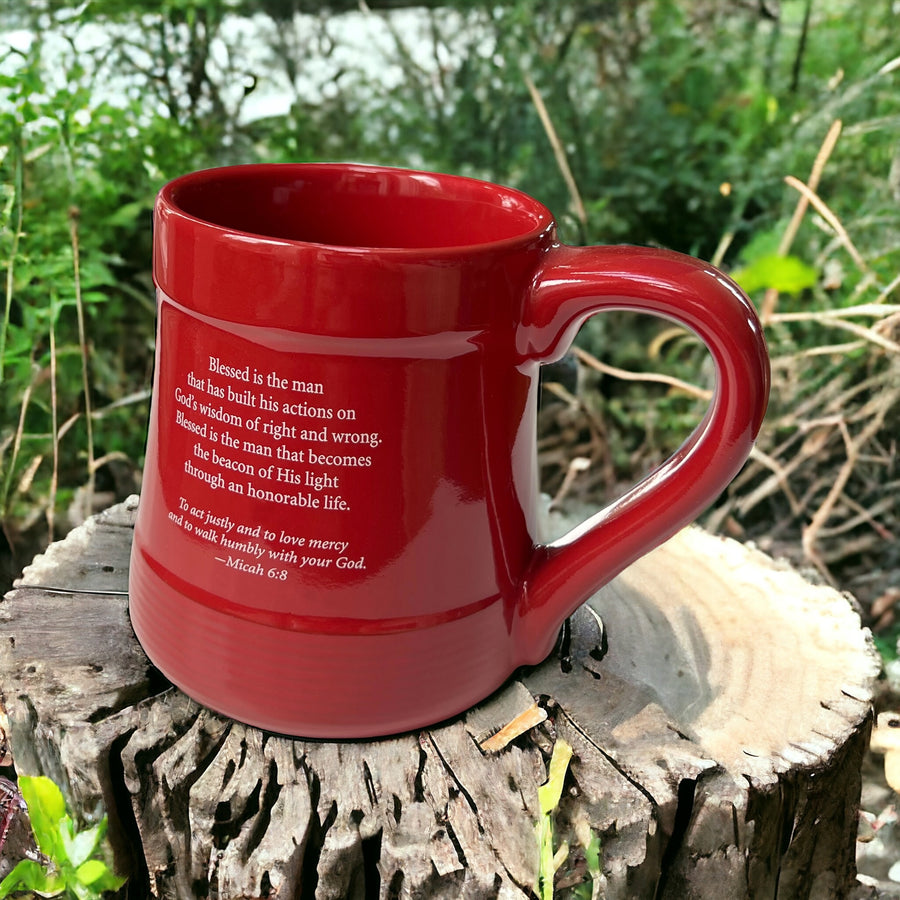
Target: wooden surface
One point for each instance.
(717, 703)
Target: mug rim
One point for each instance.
(467, 189)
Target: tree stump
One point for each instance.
(717, 703)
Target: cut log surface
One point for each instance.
(718, 705)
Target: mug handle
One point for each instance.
(572, 284)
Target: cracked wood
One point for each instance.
(717, 703)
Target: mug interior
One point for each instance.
(357, 206)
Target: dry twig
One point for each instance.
(559, 152)
(771, 297)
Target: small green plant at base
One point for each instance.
(550, 859)
(73, 870)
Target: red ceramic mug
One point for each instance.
(338, 527)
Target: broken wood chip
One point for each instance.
(523, 722)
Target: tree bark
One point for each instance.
(718, 705)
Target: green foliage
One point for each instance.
(549, 795)
(72, 868)
(786, 274)
(679, 123)
(886, 644)
(77, 181)
(555, 856)
(41, 354)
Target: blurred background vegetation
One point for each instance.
(762, 135)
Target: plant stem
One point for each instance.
(82, 343)
(16, 446)
(770, 301)
(54, 422)
(801, 48)
(14, 248)
(559, 151)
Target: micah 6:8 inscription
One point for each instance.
(273, 439)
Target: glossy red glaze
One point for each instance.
(337, 534)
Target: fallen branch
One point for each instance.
(649, 377)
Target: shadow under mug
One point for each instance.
(338, 527)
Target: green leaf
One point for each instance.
(593, 854)
(545, 858)
(550, 792)
(786, 274)
(91, 871)
(70, 850)
(29, 875)
(126, 214)
(764, 243)
(46, 809)
(886, 643)
(97, 875)
(79, 846)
